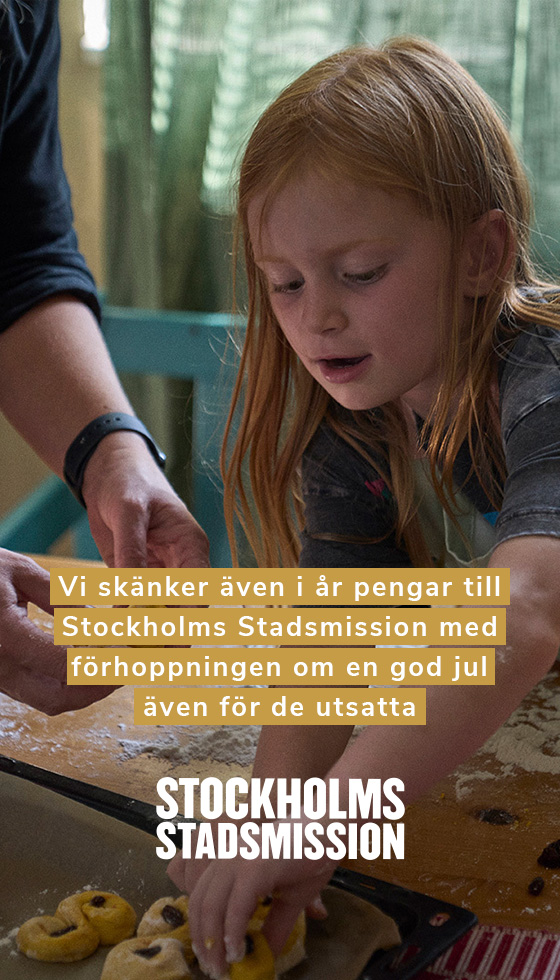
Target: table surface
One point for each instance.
(450, 853)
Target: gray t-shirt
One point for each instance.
(347, 504)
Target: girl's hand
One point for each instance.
(136, 518)
(225, 894)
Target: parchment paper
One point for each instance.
(51, 847)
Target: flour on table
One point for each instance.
(530, 738)
(463, 781)
(9, 937)
(226, 744)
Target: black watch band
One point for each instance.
(83, 446)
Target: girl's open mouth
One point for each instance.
(339, 362)
(343, 369)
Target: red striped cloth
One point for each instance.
(499, 953)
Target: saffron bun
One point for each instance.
(169, 917)
(109, 914)
(293, 951)
(55, 940)
(146, 958)
(162, 949)
(258, 962)
(80, 924)
(259, 915)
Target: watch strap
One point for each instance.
(85, 443)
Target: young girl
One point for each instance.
(399, 390)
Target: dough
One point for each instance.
(350, 935)
(169, 917)
(260, 913)
(161, 931)
(144, 958)
(109, 914)
(53, 939)
(384, 930)
(81, 923)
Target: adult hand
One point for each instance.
(224, 894)
(135, 516)
(32, 669)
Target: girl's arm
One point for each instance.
(459, 720)
(299, 751)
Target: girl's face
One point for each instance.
(354, 277)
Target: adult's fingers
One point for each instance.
(22, 581)
(25, 645)
(47, 694)
(32, 668)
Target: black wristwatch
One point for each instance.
(83, 446)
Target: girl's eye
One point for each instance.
(286, 287)
(371, 275)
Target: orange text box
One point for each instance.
(279, 706)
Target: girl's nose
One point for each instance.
(323, 312)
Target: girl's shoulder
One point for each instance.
(535, 344)
(529, 372)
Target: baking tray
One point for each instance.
(427, 925)
(73, 835)
(124, 808)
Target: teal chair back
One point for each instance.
(193, 346)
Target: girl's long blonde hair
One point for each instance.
(405, 118)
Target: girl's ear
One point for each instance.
(487, 251)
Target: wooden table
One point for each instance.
(450, 853)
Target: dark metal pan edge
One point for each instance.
(427, 942)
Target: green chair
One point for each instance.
(192, 346)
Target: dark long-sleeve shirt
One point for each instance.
(39, 254)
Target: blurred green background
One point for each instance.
(152, 126)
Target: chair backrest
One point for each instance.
(193, 346)
(197, 347)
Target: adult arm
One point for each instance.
(55, 376)
(55, 373)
